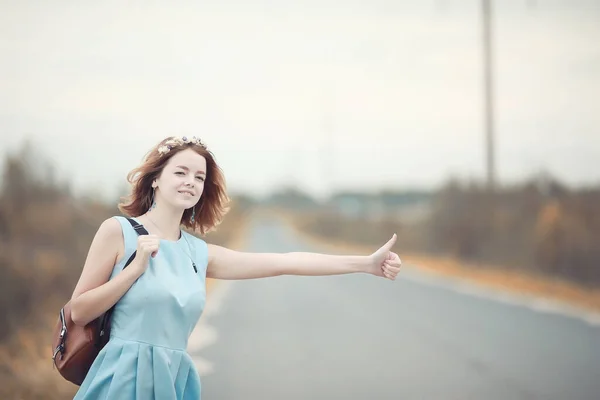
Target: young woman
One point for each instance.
(160, 296)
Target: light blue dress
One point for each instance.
(146, 356)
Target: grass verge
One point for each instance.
(26, 370)
(492, 276)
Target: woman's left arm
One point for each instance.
(224, 263)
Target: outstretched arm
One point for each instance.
(224, 263)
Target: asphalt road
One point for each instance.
(360, 337)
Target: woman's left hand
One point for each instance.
(386, 263)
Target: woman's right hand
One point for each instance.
(147, 246)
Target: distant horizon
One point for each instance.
(397, 189)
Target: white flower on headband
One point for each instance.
(179, 141)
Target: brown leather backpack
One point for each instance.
(76, 347)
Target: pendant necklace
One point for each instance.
(184, 238)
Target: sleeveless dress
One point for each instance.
(146, 356)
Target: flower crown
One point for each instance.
(179, 141)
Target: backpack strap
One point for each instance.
(140, 231)
(107, 315)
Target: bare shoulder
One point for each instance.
(110, 228)
(113, 232)
(110, 234)
(106, 249)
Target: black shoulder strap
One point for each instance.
(138, 228)
(140, 231)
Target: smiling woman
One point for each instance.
(171, 160)
(157, 300)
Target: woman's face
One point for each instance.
(181, 182)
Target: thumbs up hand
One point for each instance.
(386, 263)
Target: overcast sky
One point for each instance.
(376, 94)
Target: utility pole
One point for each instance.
(488, 93)
(327, 151)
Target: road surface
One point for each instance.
(360, 337)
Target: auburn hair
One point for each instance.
(210, 209)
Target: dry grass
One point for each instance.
(513, 281)
(26, 370)
(493, 276)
